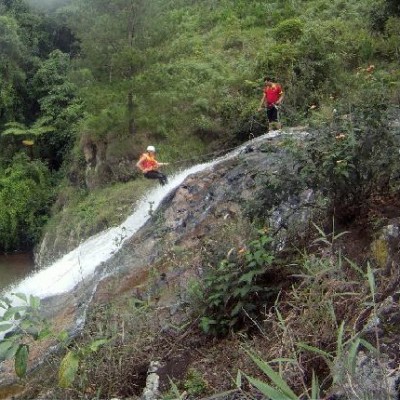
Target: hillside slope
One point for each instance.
(305, 290)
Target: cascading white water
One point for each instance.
(64, 274)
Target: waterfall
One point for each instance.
(65, 273)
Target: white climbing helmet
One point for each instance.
(151, 148)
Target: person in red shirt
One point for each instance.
(149, 166)
(272, 97)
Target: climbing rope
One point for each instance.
(252, 121)
(213, 154)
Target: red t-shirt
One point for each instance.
(272, 94)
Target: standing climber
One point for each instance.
(271, 99)
(149, 166)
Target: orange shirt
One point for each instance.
(147, 162)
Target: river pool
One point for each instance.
(14, 267)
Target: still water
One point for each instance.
(14, 267)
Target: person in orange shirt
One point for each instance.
(272, 97)
(149, 166)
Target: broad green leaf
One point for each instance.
(241, 291)
(8, 348)
(238, 379)
(5, 346)
(21, 360)
(94, 346)
(26, 325)
(236, 309)
(327, 357)
(21, 296)
(68, 369)
(5, 327)
(275, 377)
(34, 301)
(315, 392)
(248, 277)
(268, 390)
(216, 296)
(13, 312)
(369, 346)
(352, 356)
(339, 340)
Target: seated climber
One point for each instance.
(149, 166)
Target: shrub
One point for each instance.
(22, 324)
(25, 195)
(234, 290)
(289, 30)
(355, 155)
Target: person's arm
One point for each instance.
(139, 164)
(262, 102)
(281, 96)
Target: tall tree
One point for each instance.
(59, 107)
(110, 34)
(12, 75)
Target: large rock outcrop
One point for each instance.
(200, 207)
(254, 184)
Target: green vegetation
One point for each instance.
(341, 356)
(302, 332)
(193, 386)
(22, 323)
(38, 110)
(91, 85)
(114, 76)
(229, 294)
(26, 195)
(90, 213)
(70, 363)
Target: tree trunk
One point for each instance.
(131, 120)
(131, 34)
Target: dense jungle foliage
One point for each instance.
(184, 75)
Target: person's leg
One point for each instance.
(272, 114)
(157, 175)
(151, 175)
(268, 118)
(162, 178)
(273, 118)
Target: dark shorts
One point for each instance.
(272, 114)
(156, 175)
